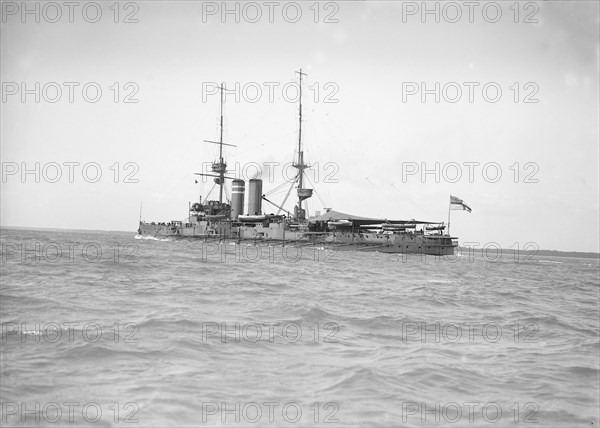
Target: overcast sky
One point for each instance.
(374, 141)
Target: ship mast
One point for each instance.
(300, 165)
(219, 168)
(300, 153)
(221, 163)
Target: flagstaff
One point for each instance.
(449, 209)
(457, 204)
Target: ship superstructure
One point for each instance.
(234, 220)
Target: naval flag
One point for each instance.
(458, 204)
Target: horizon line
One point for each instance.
(126, 231)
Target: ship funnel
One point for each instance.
(238, 189)
(255, 197)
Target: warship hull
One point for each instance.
(278, 234)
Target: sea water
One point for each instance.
(107, 329)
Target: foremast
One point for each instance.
(219, 168)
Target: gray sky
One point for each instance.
(364, 61)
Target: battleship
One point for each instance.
(234, 221)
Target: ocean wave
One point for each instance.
(172, 293)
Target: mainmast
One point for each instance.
(300, 153)
(221, 163)
(303, 193)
